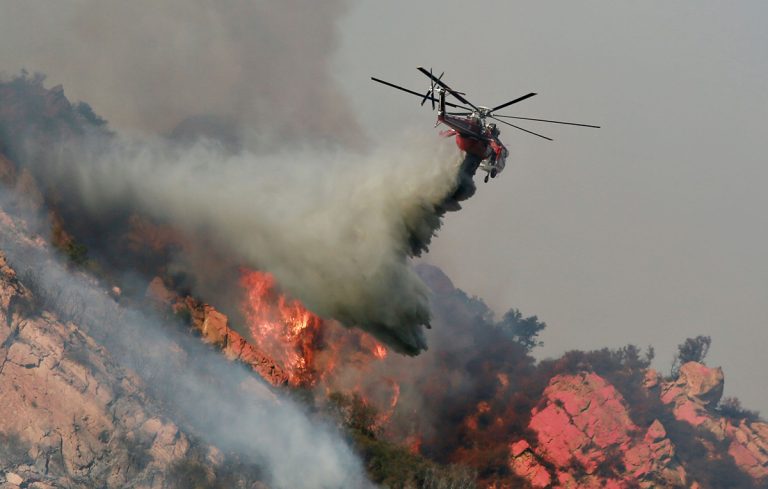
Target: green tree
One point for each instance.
(730, 407)
(524, 331)
(691, 350)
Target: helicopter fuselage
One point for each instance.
(475, 138)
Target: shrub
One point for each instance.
(183, 315)
(392, 465)
(78, 353)
(389, 463)
(194, 473)
(730, 407)
(190, 474)
(691, 350)
(524, 331)
(77, 253)
(138, 451)
(354, 413)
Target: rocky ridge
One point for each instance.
(213, 327)
(584, 432)
(74, 415)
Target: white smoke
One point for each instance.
(335, 228)
(333, 225)
(240, 415)
(147, 65)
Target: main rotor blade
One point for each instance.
(396, 86)
(519, 99)
(426, 96)
(459, 113)
(546, 120)
(449, 104)
(449, 89)
(524, 130)
(429, 92)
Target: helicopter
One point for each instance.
(475, 135)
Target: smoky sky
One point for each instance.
(649, 230)
(306, 199)
(147, 66)
(334, 228)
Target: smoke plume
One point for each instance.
(287, 187)
(240, 415)
(262, 67)
(334, 228)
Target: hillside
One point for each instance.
(119, 369)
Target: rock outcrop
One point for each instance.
(585, 438)
(694, 394)
(584, 432)
(72, 418)
(213, 327)
(749, 446)
(695, 390)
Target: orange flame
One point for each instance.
(379, 351)
(314, 352)
(395, 394)
(413, 443)
(282, 327)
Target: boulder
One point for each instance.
(583, 416)
(13, 478)
(651, 460)
(215, 327)
(583, 422)
(701, 382)
(696, 390)
(525, 464)
(749, 446)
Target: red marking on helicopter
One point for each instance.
(477, 138)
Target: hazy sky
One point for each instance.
(647, 231)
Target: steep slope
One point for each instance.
(73, 418)
(101, 384)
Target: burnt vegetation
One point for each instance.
(196, 471)
(503, 347)
(499, 381)
(730, 408)
(391, 464)
(137, 446)
(13, 450)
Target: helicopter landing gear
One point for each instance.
(486, 178)
(494, 173)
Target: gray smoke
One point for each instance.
(263, 65)
(240, 415)
(334, 223)
(335, 228)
